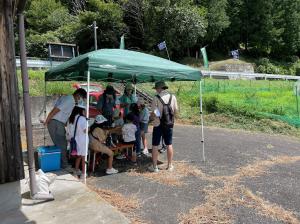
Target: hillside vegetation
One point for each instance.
(259, 29)
(268, 106)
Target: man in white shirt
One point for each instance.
(57, 119)
(163, 123)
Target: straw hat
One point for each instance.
(160, 84)
(100, 119)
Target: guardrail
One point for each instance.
(37, 63)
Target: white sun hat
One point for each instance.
(100, 119)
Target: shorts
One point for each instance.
(144, 127)
(165, 133)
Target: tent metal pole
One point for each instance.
(201, 118)
(87, 122)
(45, 110)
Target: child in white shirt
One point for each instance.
(128, 133)
(77, 121)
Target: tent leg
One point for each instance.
(201, 119)
(87, 122)
(45, 110)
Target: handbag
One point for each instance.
(73, 143)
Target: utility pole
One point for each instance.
(95, 34)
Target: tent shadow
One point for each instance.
(125, 165)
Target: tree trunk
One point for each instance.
(11, 162)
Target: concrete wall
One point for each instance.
(246, 67)
(37, 109)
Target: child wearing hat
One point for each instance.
(98, 142)
(77, 126)
(144, 120)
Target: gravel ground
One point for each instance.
(226, 152)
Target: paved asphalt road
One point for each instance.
(226, 152)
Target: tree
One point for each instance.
(109, 18)
(134, 19)
(52, 24)
(180, 26)
(11, 163)
(230, 38)
(288, 22)
(216, 17)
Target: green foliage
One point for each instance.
(268, 28)
(47, 21)
(242, 98)
(109, 18)
(45, 15)
(37, 84)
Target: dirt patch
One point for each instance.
(214, 209)
(174, 178)
(219, 200)
(266, 208)
(126, 205)
(260, 167)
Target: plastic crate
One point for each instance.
(49, 158)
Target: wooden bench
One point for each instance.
(119, 148)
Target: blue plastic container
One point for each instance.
(49, 158)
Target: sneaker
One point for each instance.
(153, 169)
(111, 171)
(139, 155)
(145, 151)
(170, 168)
(82, 177)
(77, 172)
(122, 156)
(163, 149)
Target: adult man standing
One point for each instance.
(57, 119)
(164, 108)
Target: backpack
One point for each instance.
(167, 116)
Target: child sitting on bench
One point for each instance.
(128, 133)
(98, 142)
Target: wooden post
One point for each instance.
(11, 162)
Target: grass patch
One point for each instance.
(261, 105)
(37, 84)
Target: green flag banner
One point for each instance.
(205, 60)
(122, 42)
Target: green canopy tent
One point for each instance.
(119, 65)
